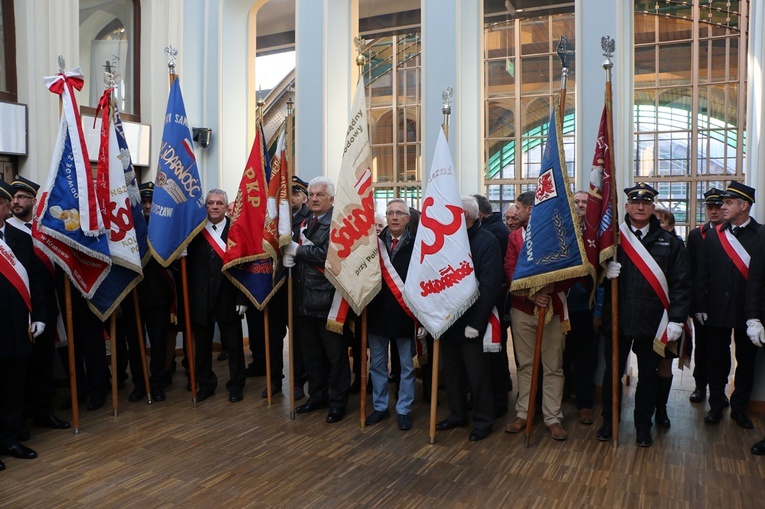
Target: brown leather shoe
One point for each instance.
(516, 426)
(557, 432)
(585, 415)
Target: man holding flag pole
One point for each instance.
(178, 209)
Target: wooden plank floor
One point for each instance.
(169, 455)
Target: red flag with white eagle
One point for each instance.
(353, 258)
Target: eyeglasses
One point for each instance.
(23, 197)
(397, 213)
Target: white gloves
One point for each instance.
(37, 328)
(613, 269)
(674, 331)
(700, 317)
(470, 332)
(421, 332)
(291, 249)
(241, 309)
(288, 261)
(756, 332)
(184, 253)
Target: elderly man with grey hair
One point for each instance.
(466, 366)
(324, 352)
(214, 299)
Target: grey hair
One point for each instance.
(470, 206)
(323, 181)
(398, 200)
(218, 191)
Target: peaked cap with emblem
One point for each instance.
(641, 192)
(6, 190)
(24, 184)
(299, 184)
(713, 197)
(147, 189)
(739, 190)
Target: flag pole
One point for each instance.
(609, 45)
(361, 61)
(171, 53)
(446, 109)
(290, 296)
(141, 345)
(266, 319)
(564, 51)
(68, 311)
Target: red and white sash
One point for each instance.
(493, 335)
(12, 269)
(391, 278)
(642, 259)
(215, 241)
(734, 249)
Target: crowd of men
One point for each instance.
(717, 280)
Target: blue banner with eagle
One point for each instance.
(552, 248)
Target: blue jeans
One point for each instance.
(378, 367)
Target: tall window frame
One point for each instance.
(522, 77)
(690, 101)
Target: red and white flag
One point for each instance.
(441, 283)
(353, 259)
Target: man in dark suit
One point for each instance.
(723, 275)
(695, 243)
(23, 305)
(324, 351)
(755, 307)
(214, 299)
(39, 387)
(466, 366)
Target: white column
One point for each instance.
(324, 83)
(755, 130)
(55, 26)
(596, 19)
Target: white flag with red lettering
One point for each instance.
(353, 259)
(441, 283)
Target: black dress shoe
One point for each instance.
(52, 422)
(742, 420)
(643, 438)
(377, 416)
(2, 466)
(19, 451)
(275, 389)
(713, 417)
(698, 395)
(96, 402)
(137, 395)
(310, 406)
(23, 435)
(335, 415)
(604, 433)
(203, 394)
(447, 424)
(158, 395)
(235, 396)
(478, 434)
(223, 355)
(758, 448)
(404, 422)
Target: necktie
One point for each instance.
(639, 234)
(314, 221)
(28, 225)
(736, 230)
(393, 245)
(1, 235)
(215, 228)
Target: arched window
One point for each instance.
(109, 37)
